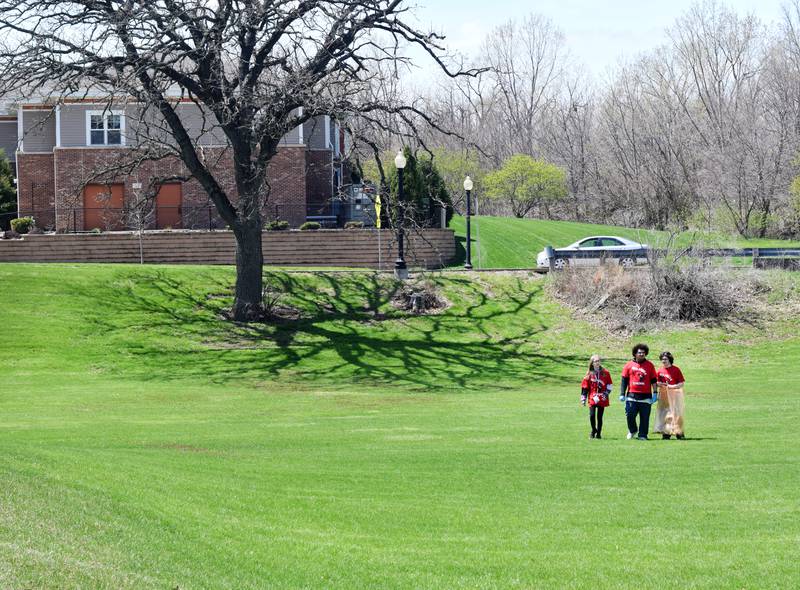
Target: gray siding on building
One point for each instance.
(73, 123)
(39, 130)
(8, 139)
(315, 133)
(334, 135)
(291, 138)
(204, 130)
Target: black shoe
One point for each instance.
(666, 436)
(592, 435)
(598, 435)
(680, 436)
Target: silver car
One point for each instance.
(592, 250)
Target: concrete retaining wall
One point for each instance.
(431, 248)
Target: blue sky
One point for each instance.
(598, 33)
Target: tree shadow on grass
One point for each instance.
(347, 332)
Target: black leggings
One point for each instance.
(597, 426)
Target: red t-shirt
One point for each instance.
(670, 375)
(640, 377)
(597, 386)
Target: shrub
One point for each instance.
(310, 225)
(22, 225)
(666, 292)
(354, 225)
(277, 225)
(424, 190)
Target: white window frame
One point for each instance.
(104, 114)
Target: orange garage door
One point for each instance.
(168, 206)
(102, 207)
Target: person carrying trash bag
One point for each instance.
(670, 408)
(596, 389)
(638, 390)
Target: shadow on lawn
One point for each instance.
(461, 251)
(348, 332)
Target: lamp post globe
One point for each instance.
(468, 190)
(400, 269)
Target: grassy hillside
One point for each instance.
(507, 242)
(148, 444)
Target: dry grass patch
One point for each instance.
(689, 294)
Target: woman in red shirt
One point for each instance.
(669, 413)
(596, 387)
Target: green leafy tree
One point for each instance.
(453, 167)
(526, 183)
(8, 192)
(424, 189)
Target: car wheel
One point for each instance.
(627, 262)
(560, 263)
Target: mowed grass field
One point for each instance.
(146, 443)
(507, 242)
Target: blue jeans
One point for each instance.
(642, 409)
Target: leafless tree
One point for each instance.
(702, 130)
(568, 135)
(526, 64)
(256, 69)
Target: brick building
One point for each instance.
(59, 151)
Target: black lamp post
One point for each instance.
(468, 189)
(400, 270)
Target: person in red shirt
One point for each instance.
(596, 388)
(638, 390)
(669, 412)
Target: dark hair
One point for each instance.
(640, 346)
(667, 355)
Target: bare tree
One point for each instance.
(256, 69)
(735, 117)
(702, 130)
(568, 136)
(526, 61)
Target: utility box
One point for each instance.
(357, 203)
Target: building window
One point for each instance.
(105, 128)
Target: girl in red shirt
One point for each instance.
(669, 413)
(596, 387)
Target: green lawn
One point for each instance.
(507, 242)
(147, 444)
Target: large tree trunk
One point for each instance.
(248, 304)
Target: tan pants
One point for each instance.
(669, 412)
